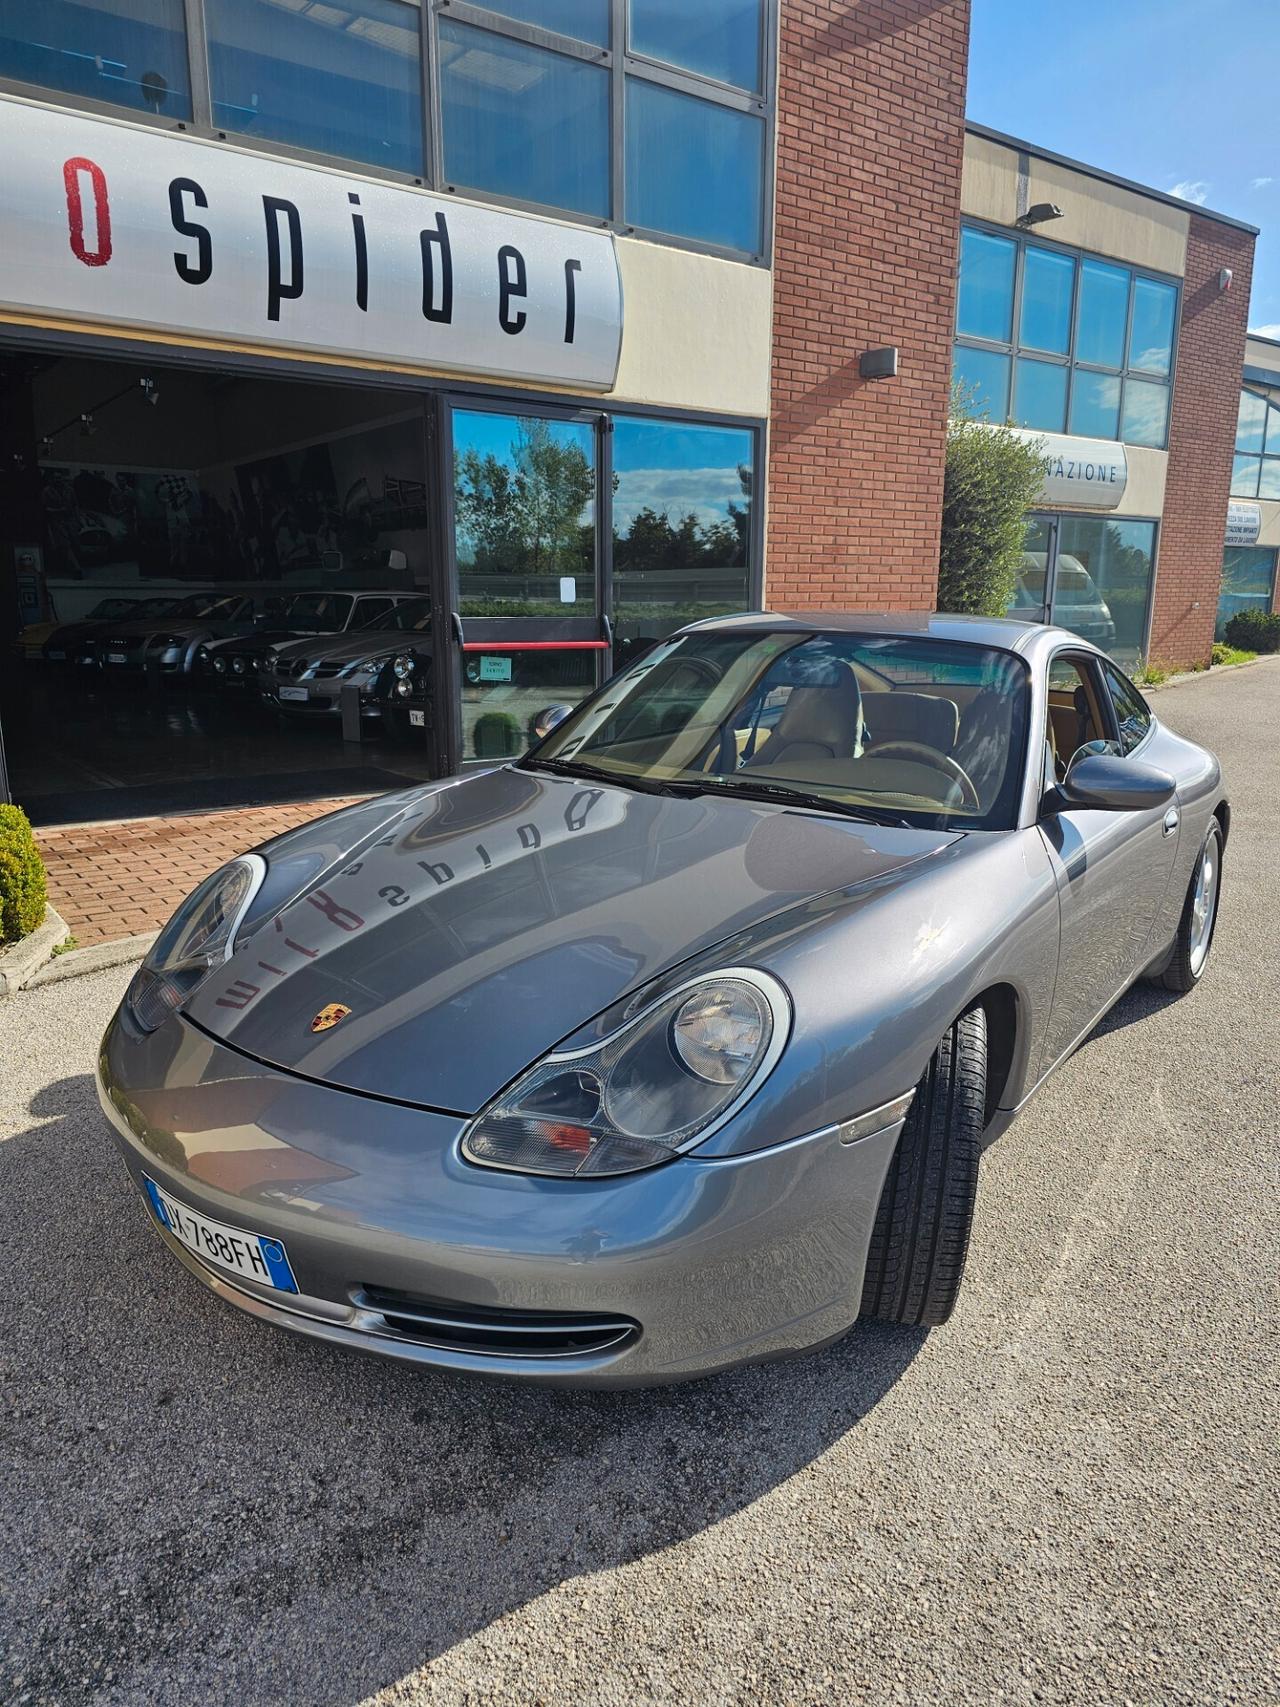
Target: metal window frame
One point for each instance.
(1023, 240)
(616, 58)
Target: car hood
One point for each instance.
(356, 643)
(493, 917)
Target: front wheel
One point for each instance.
(921, 1236)
(1199, 916)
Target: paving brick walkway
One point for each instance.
(114, 880)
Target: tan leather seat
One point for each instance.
(822, 721)
(899, 716)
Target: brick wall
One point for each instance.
(870, 147)
(1202, 431)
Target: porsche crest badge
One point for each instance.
(328, 1017)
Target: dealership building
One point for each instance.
(539, 328)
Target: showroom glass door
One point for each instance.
(1091, 574)
(526, 587)
(1031, 595)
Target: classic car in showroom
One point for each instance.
(235, 662)
(306, 677)
(58, 642)
(675, 1042)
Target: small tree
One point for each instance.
(992, 479)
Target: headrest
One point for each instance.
(828, 716)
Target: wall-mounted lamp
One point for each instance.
(1040, 214)
(150, 391)
(1224, 279)
(879, 364)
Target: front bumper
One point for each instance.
(324, 698)
(715, 1262)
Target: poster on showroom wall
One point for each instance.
(117, 522)
(113, 222)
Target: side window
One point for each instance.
(1075, 717)
(1133, 714)
(368, 609)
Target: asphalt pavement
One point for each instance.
(1069, 1494)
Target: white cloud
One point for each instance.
(1260, 183)
(703, 492)
(1191, 190)
(1272, 331)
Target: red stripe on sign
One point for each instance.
(535, 646)
(71, 171)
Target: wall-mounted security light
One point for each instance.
(1224, 279)
(879, 364)
(1040, 214)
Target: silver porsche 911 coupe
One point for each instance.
(674, 1043)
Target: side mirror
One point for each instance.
(1112, 784)
(545, 721)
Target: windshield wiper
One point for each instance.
(619, 779)
(797, 797)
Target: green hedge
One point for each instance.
(1254, 631)
(22, 888)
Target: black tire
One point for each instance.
(1181, 974)
(921, 1234)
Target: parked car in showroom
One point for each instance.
(56, 642)
(234, 662)
(404, 691)
(170, 640)
(306, 677)
(676, 1042)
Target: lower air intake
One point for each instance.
(497, 1333)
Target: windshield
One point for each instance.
(203, 605)
(926, 732)
(411, 617)
(153, 607)
(111, 610)
(326, 613)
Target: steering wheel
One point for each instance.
(937, 761)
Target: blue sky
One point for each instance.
(1178, 94)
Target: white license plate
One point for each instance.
(294, 694)
(418, 719)
(117, 657)
(252, 1256)
(58, 655)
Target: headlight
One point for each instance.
(660, 1083)
(362, 667)
(238, 665)
(402, 668)
(199, 936)
(220, 665)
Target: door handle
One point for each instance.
(1170, 821)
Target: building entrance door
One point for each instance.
(528, 604)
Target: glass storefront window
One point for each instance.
(341, 80)
(1040, 396)
(1029, 593)
(1269, 477)
(1146, 413)
(523, 122)
(1102, 581)
(984, 306)
(508, 694)
(1254, 474)
(983, 378)
(715, 38)
(681, 527)
(1248, 583)
(694, 169)
(524, 515)
(588, 20)
(132, 57)
(1095, 405)
(1151, 336)
(1244, 476)
(1251, 422)
(1048, 285)
(1104, 308)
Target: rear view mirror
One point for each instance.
(1113, 784)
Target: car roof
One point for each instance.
(1010, 633)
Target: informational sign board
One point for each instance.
(119, 224)
(1080, 474)
(1244, 523)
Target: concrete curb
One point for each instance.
(98, 957)
(22, 960)
(1218, 671)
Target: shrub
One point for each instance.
(496, 735)
(1254, 631)
(1224, 654)
(992, 479)
(22, 888)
